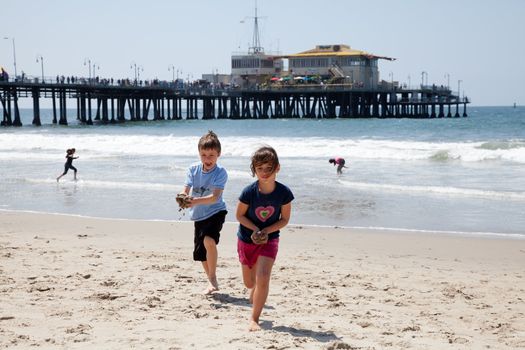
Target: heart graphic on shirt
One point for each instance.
(263, 213)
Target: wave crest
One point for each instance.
(24, 146)
(438, 190)
(501, 145)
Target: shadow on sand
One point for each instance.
(230, 299)
(326, 336)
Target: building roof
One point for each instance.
(335, 50)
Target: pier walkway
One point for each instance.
(107, 103)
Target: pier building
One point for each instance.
(255, 68)
(337, 63)
(332, 64)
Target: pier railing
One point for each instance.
(195, 88)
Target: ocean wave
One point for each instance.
(437, 190)
(92, 146)
(502, 145)
(443, 155)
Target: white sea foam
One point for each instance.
(109, 184)
(442, 232)
(236, 174)
(518, 236)
(126, 185)
(46, 147)
(174, 167)
(437, 190)
(28, 156)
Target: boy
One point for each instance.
(207, 208)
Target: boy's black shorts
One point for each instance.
(210, 227)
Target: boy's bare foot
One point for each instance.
(210, 290)
(212, 287)
(254, 326)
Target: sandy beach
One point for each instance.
(80, 283)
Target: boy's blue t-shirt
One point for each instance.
(263, 209)
(202, 184)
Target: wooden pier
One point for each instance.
(104, 103)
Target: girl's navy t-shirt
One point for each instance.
(263, 209)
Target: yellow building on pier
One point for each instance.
(337, 61)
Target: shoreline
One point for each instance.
(395, 230)
(74, 282)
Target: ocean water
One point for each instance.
(459, 175)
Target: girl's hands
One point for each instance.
(259, 236)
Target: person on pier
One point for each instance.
(70, 155)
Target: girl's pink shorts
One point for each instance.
(249, 253)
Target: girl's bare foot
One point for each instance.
(254, 326)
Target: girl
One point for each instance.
(264, 208)
(70, 155)
(340, 162)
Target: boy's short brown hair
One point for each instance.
(264, 155)
(210, 141)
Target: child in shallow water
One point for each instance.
(340, 162)
(70, 155)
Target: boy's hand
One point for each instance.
(183, 200)
(259, 237)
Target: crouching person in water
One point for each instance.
(70, 155)
(340, 162)
(263, 209)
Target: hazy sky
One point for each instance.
(480, 42)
